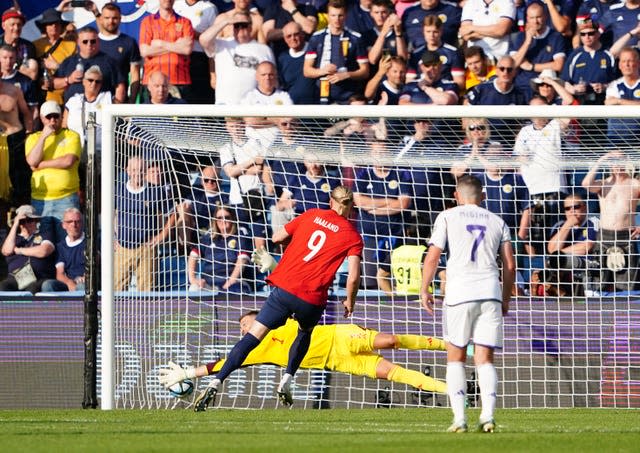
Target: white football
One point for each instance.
(182, 389)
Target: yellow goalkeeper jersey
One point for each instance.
(274, 348)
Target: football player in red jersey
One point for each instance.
(319, 241)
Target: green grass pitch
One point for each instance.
(284, 430)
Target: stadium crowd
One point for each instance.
(383, 52)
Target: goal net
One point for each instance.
(189, 191)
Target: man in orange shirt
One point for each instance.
(166, 42)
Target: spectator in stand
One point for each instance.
(621, 18)
(592, 10)
(590, 67)
(16, 121)
(479, 68)
(236, 59)
(487, 24)
(431, 88)
(290, 66)
(451, 62)
(478, 143)
(388, 82)
(28, 245)
(619, 194)
(536, 48)
(337, 58)
(549, 87)
(266, 92)
(625, 91)
(422, 143)
(70, 73)
(158, 86)
(539, 149)
(242, 159)
(166, 43)
(143, 222)
(500, 90)
(69, 256)
(382, 195)
(12, 22)
(309, 190)
(51, 50)
(413, 19)
(279, 14)
(572, 241)
(202, 14)
(54, 155)
(78, 107)
(385, 37)
(222, 252)
(122, 48)
(206, 198)
(254, 18)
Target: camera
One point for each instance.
(78, 3)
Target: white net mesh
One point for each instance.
(179, 281)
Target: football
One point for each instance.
(182, 389)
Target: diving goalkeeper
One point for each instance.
(346, 348)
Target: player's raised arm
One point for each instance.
(429, 268)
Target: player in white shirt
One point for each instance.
(475, 302)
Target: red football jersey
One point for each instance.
(320, 241)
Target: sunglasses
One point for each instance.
(89, 41)
(544, 85)
(507, 69)
(573, 207)
(431, 65)
(28, 220)
(94, 80)
(208, 180)
(477, 127)
(241, 26)
(587, 33)
(52, 116)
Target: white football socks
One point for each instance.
(457, 390)
(488, 382)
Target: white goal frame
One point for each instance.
(111, 112)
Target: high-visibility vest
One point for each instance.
(406, 266)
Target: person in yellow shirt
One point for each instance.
(347, 348)
(478, 67)
(53, 155)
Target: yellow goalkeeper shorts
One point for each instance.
(351, 351)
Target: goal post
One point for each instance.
(578, 347)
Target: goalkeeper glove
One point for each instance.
(261, 258)
(175, 374)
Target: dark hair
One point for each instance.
(112, 7)
(337, 4)
(474, 51)
(542, 98)
(247, 313)
(385, 3)
(87, 29)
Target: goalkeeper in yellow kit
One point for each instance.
(346, 348)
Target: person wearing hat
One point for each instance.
(12, 22)
(27, 247)
(52, 49)
(54, 155)
(590, 67)
(430, 88)
(537, 48)
(548, 86)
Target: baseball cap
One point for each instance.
(28, 211)
(587, 24)
(50, 107)
(13, 13)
